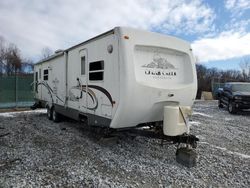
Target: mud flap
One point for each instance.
(186, 157)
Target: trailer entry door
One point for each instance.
(83, 74)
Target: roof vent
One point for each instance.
(58, 51)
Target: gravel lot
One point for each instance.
(38, 152)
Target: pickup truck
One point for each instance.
(235, 96)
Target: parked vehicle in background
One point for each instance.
(235, 96)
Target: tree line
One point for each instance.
(208, 76)
(12, 62)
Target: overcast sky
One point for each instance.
(218, 30)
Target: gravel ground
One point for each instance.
(38, 152)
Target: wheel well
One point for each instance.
(83, 117)
(229, 100)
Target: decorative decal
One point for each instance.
(104, 91)
(72, 96)
(159, 63)
(51, 92)
(78, 89)
(160, 68)
(90, 93)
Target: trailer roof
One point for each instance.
(75, 46)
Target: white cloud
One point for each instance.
(237, 7)
(226, 45)
(239, 25)
(33, 25)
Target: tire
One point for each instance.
(55, 116)
(49, 113)
(220, 104)
(231, 108)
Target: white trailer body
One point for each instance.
(121, 79)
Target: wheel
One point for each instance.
(55, 116)
(231, 108)
(49, 113)
(220, 104)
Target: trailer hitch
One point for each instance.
(185, 139)
(158, 134)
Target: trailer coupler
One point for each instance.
(188, 139)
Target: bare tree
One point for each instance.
(245, 68)
(2, 55)
(10, 58)
(46, 52)
(13, 60)
(201, 77)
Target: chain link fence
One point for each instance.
(16, 91)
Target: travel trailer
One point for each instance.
(122, 79)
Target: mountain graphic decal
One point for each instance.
(159, 63)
